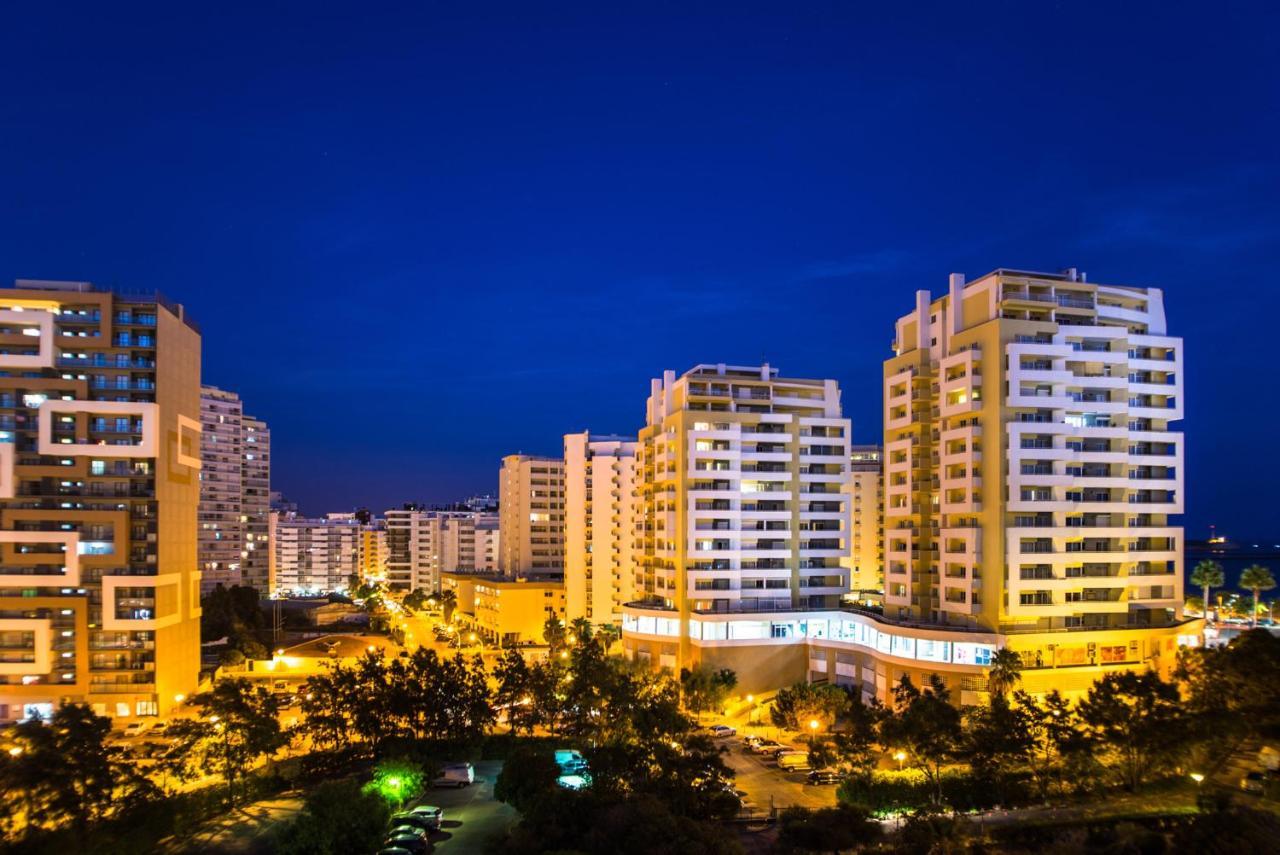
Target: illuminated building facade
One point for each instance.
(100, 464)
(530, 516)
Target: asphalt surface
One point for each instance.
(472, 816)
(767, 786)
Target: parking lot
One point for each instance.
(768, 786)
(472, 816)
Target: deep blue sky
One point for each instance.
(420, 238)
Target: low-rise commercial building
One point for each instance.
(871, 652)
(503, 611)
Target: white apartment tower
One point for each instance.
(599, 525)
(255, 503)
(221, 533)
(235, 485)
(422, 544)
(1030, 465)
(531, 515)
(315, 555)
(742, 500)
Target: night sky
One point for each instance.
(418, 239)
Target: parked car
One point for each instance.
(407, 837)
(456, 775)
(419, 822)
(136, 728)
(767, 746)
(794, 761)
(432, 814)
(159, 728)
(751, 741)
(824, 776)
(1252, 782)
(784, 749)
(394, 850)
(720, 731)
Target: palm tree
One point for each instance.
(1005, 671)
(580, 627)
(1208, 574)
(1256, 578)
(448, 602)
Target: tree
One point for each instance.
(240, 725)
(1234, 690)
(1052, 732)
(794, 707)
(856, 744)
(1137, 718)
(397, 781)
(338, 817)
(63, 774)
(834, 829)
(416, 599)
(1208, 574)
(1004, 673)
(528, 773)
(1257, 579)
(997, 738)
(514, 687)
(609, 634)
(448, 604)
(926, 726)
(553, 632)
(580, 629)
(706, 688)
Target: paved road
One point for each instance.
(472, 816)
(768, 786)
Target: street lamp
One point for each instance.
(15, 751)
(813, 726)
(1197, 777)
(900, 756)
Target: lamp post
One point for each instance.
(900, 756)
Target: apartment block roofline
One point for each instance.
(176, 309)
(1070, 275)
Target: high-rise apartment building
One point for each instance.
(221, 533)
(1030, 466)
(373, 551)
(531, 515)
(255, 504)
(599, 525)
(315, 555)
(1030, 472)
(99, 483)
(234, 490)
(866, 531)
(741, 499)
(421, 544)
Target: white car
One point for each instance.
(720, 731)
(136, 728)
